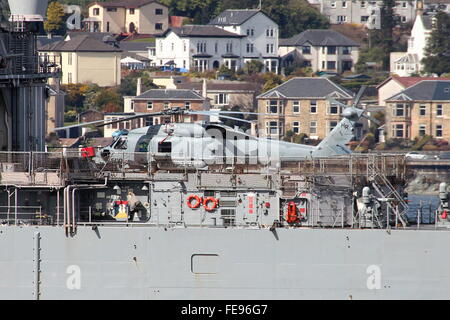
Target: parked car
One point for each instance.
(415, 155)
(443, 156)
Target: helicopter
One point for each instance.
(202, 144)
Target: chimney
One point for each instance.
(419, 8)
(204, 88)
(139, 87)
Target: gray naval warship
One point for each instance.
(199, 210)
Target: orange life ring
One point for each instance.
(197, 202)
(214, 201)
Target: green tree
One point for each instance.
(437, 51)
(253, 66)
(55, 15)
(272, 80)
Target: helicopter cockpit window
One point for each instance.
(121, 143)
(165, 147)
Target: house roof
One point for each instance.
(426, 90)
(201, 31)
(44, 40)
(82, 43)
(407, 82)
(136, 46)
(234, 17)
(169, 94)
(317, 37)
(124, 3)
(308, 88)
(220, 86)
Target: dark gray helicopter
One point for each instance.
(199, 145)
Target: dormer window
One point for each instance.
(132, 11)
(96, 12)
(158, 12)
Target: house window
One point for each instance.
(69, 58)
(132, 105)
(69, 77)
(332, 125)
(363, 4)
(149, 105)
(364, 18)
(250, 32)
(229, 47)
(333, 4)
(172, 46)
(334, 109)
(96, 12)
(221, 98)
(306, 49)
(313, 106)
(269, 48)
(307, 63)
(269, 32)
(107, 26)
(341, 18)
(296, 107)
(346, 50)
(111, 9)
(422, 130)
(398, 130)
(423, 110)
(187, 105)
(273, 106)
(344, 4)
(274, 128)
(313, 127)
(439, 112)
(216, 47)
(296, 127)
(132, 11)
(250, 47)
(201, 47)
(158, 26)
(399, 110)
(166, 105)
(331, 65)
(331, 50)
(439, 131)
(158, 12)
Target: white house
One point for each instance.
(405, 64)
(231, 39)
(261, 34)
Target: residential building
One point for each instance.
(366, 13)
(83, 59)
(301, 105)
(233, 38)
(199, 48)
(422, 109)
(226, 94)
(394, 85)
(408, 63)
(321, 50)
(261, 35)
(157, 100)
(127, 16)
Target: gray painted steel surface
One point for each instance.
(208, 263)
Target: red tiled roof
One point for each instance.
(410, 81)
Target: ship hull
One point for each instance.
(208, 263)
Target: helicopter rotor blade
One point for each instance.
(205, 113)
(359, 96)
(370, 118)
(79, 125)
(245, 113)
(146, 115)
